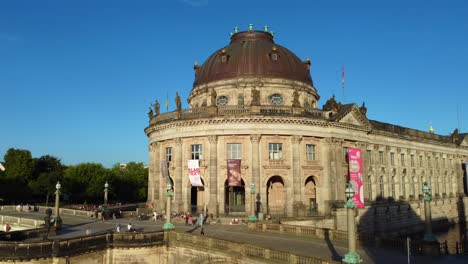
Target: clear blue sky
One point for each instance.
(77, 77)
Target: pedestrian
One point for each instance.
(129, 227)
(7, 228)
(202, 232)
(190, 220)
(155, 216)
(200, 218)
(118, 228)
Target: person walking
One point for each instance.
(155, 216)
(117, 228)
(129, 227)
(202, 232)
(200, 219)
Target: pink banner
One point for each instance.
(355, 176)
(234, 173)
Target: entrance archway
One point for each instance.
(197, 198)
(275, 196)
(310, 193)
(234, 198)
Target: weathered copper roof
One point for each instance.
(250, 54)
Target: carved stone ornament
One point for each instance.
(213, 139)
(255, 138)
(296, 139)
(255, 97)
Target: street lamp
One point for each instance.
(57, 219)
(428, 236)
(168, 225)
(252, 217)
(106, 190)
(352, 256)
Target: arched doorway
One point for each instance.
(197, 198)
(234, 198)
(276, 196)
(310, 193)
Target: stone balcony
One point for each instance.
(236, 110)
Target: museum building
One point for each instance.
(255, 101)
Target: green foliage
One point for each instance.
(18, 164)
(81, 182)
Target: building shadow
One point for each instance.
(383, 227)
(334, 254)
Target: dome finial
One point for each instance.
(236, 29)
(231, 34)
(265, 28)
(250, 27)
(272, 33)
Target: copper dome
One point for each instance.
(252, 54)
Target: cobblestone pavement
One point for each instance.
(74, 226)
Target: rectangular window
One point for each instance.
(234, 151)
(381, 157)
(169, 154)
(310, 152)
(240, 99)
(412, 160)
(369, 156)
(345, 154)
(402, 159)
(392, 159)
(275, 151)
(197, 152)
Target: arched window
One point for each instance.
(403, 186)
(369, 188)
(392, 186)
(381, 187)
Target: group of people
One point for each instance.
(130, 228)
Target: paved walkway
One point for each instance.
(320, 248)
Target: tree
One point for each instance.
(19, 164)
(47, 171)
(131, 183)
(86, 181)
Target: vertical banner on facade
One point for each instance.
(194, 173)
(234, 172)
(165, 172)
(355, 175)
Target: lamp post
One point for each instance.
(252, 217)
(352, 256)
(106, 191)
(168, 225)
(57, 219)
(428, 236)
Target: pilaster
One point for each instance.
(213, 180)
(178, 175)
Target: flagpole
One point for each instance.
(343, 82)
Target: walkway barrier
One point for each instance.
(231, 248)
(68, 247)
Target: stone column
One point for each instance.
(154, 176)
(325, 192)
(296, 174)
(178, 174)
(255, 139)
(213, 180)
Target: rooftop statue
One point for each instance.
(156, 107)
(332, 105)
(178, 102)
(363, 108)
(150, 114)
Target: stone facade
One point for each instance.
(292, 151)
